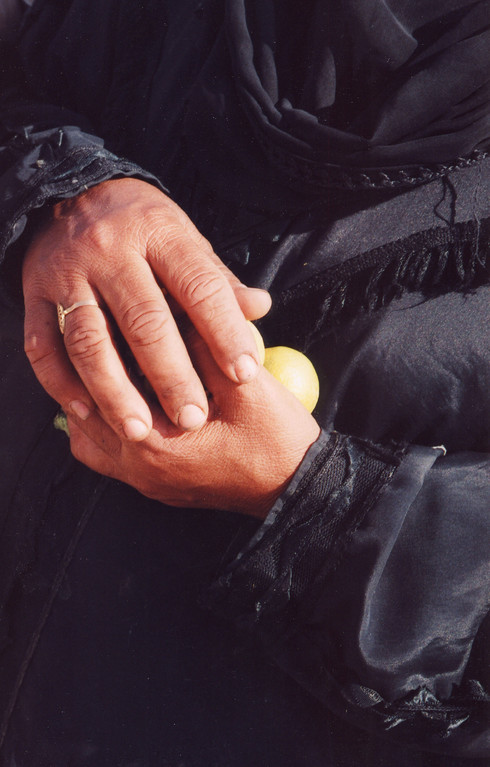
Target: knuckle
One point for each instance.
(171, 239)
(100, 235)
(175, 235)
(177, 389)
(146, 323)
(176, 240)
(83, 341)
(203, 288)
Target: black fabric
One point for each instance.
(47, 153)
(308, 537)
(379, 271)
(361, 84)
(121, 661)
(428, 263)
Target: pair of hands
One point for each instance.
(127, 246)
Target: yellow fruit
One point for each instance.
(60, 422)
(259, 341)
(295, 372)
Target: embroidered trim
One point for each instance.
(316, 172)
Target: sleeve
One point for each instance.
(47, 153)
(368, 583)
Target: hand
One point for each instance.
(126, 245)
(243, 457)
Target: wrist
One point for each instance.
(280, 473)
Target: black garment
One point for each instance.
(364, 84)
(367, 582)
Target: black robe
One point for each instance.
(328, 159)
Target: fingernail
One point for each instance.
(191, 417)
(135, 429)
(246, 368)
(80, 409)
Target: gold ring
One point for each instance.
(63, 312)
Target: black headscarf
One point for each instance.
(364, 83)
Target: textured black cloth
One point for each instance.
(367, 585)
(110, 653)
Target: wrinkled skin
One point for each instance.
(255, 438)
(220, 431)
(120, 243)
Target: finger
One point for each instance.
(91, 351)
(200, 287)
(45, 350)
(89, 452)
(100, 433)
(254, 302)
(145, 320)
(220, 389)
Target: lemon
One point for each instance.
(291, 368)
(60, 422)
(295, 371)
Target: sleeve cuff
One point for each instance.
(42, 168)
(276, 576)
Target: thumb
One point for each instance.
(254, 302)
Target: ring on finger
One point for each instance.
(62, 312)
